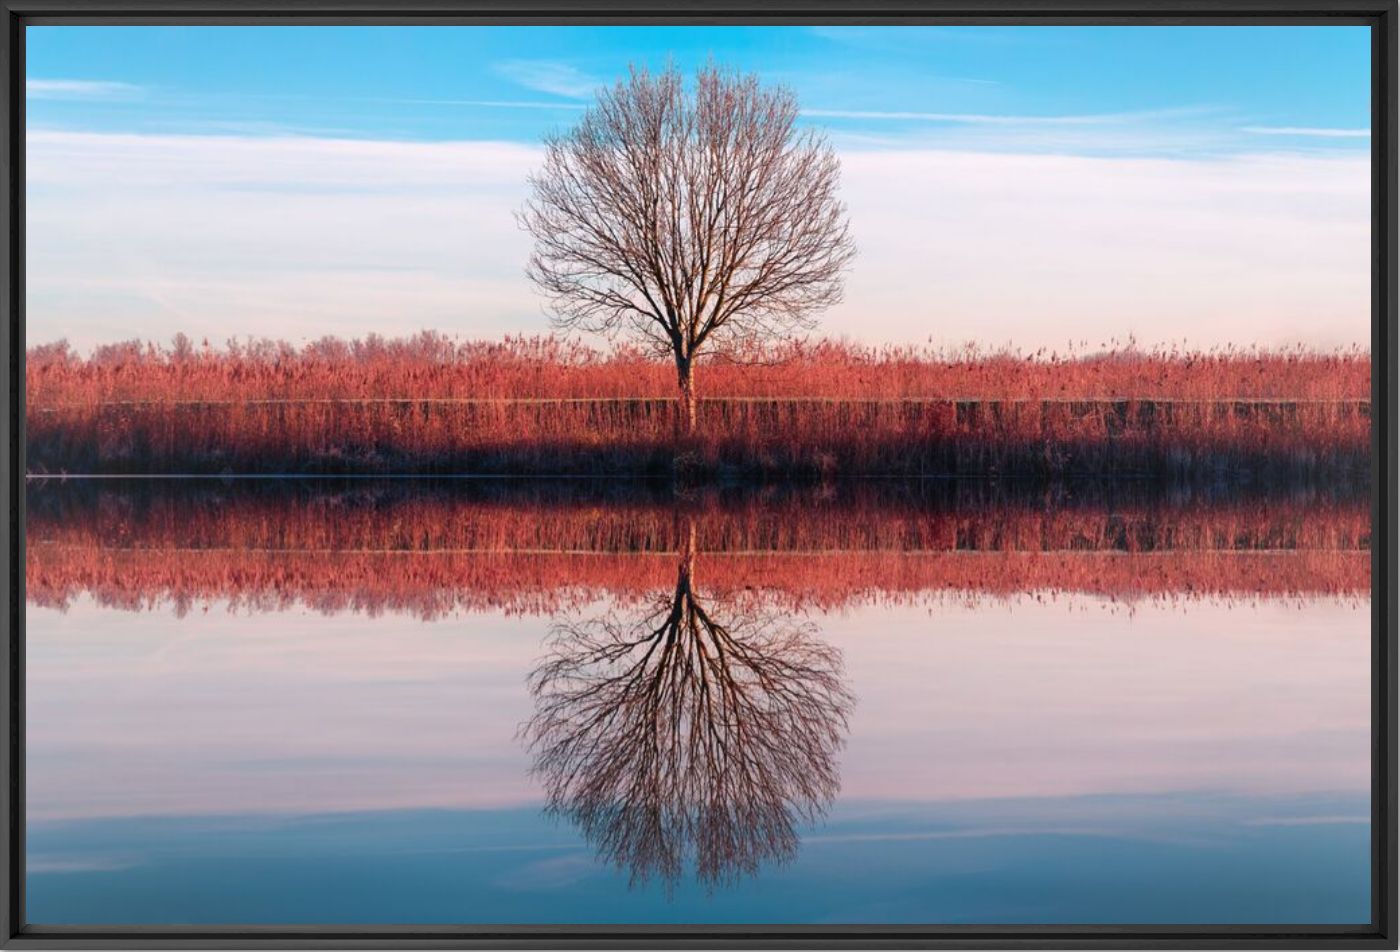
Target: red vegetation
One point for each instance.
(432, 366)
(431, 549)
(429, 404)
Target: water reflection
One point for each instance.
(543, 547)
(648, 664)
(689, 727)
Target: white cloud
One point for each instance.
(547, 76)
(1311, 131)
(1038, 250)
(979, 119)
(146, 235)
(216, 236)
(82, 89)
(1182, 131)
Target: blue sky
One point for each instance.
(1024, 187)
(1197, 88)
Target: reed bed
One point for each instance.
(544, 406)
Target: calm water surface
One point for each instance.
(383, 703)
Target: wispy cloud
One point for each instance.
(79, 89)
(984, 119)
(486, 103)
(1182, 131)
(548, 76)
(1313, 131)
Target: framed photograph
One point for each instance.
(624, 475)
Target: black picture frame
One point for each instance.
(1380, 15)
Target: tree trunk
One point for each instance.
(687, 564)
(685, 372)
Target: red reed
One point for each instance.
(430, 404)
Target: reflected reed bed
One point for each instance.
(431, 548)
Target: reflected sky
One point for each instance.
(1049, 755)
(1181, 857)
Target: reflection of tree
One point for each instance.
(680, 732)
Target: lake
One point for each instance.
(493, 701)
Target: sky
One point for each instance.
(1024, 186)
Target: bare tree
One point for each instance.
(683, 733)
(701, 221)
